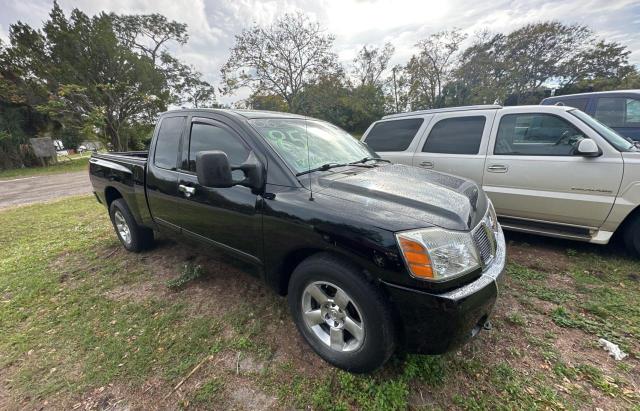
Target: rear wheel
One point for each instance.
(132, 236)
(631, 235)
(344, 318)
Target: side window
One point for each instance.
(205, 137)
(168, 141)
(394, 135)
(536, 135)
(461, 135)
(618, 111)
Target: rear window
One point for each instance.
(461, 135)
(166, 154)
(394, 135)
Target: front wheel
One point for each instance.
(631, 235)
(132, 236)
(342, 316)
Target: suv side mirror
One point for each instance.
(213, 170)
(588, 148)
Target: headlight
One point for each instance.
(436, 254)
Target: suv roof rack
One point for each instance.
(444, 110)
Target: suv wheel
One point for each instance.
(132, 236)
(344, 318)
(631, 236)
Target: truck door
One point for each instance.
(223, 217)
(162, 174)
(456, 143)
(532, 172)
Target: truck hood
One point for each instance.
(430, 197)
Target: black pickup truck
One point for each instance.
(371, 255)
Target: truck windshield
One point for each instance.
(615, 139)
(328, 144)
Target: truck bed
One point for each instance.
(121, 174)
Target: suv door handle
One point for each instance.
(497, 168)
(188, 191)
(426, 164)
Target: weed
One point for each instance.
(516, 318)
(189, 273)
(209, 391)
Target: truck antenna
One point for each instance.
(306, 133)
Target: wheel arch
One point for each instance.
(279, 278)
(110, 195)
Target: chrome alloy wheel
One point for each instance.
(123, 228)
(332, 315)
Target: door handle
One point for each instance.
(188, 191)
(497, 168)
(426, 164)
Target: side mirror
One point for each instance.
(588, 148)
(213, 170)
(253, 171)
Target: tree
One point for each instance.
(370, 64)
(106, 76)
(270, 102)
(149, 33)
(539, 52)
(517, 67)
(481, 74)
(436, 60)
(280, 59)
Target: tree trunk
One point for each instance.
(114, 137)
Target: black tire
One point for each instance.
(631, 235)
(139, 238)
(366, 302)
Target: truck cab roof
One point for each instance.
(248, 114)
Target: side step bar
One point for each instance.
(549, 229)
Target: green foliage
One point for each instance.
(189, 273)
(209, 391)
(96, 77)
(514, 68)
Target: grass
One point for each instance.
(85, 322)
(77, 163)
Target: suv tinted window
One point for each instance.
(461, 135)
(536, 135)
(579, 103)
(166, 153)
(394, 135)
(618, 111)
(205, 137)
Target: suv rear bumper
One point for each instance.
(437, 323)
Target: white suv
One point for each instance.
(550, 170)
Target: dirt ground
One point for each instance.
(39, 189)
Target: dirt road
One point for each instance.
(39, 189)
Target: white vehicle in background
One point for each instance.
(549, 170)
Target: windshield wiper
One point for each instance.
(323, 167)
(328, 166)
(364, 160)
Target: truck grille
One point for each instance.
(485, 241)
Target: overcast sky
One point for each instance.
(212, 24)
